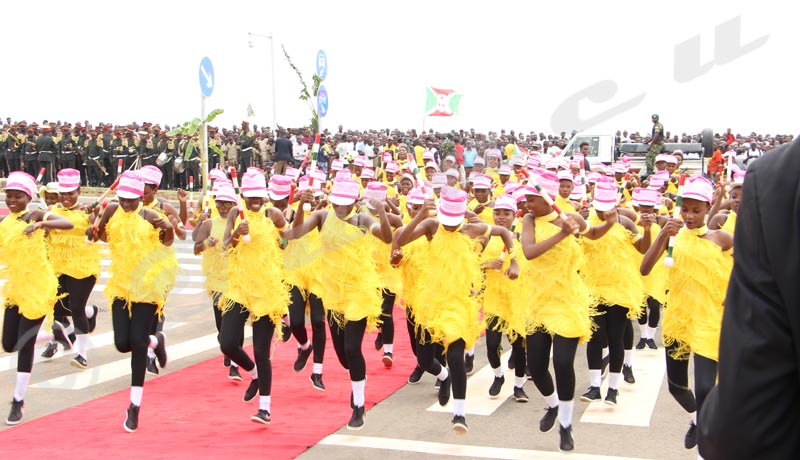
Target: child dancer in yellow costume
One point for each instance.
(31, 285)
(698, 283)
(255, 287)
(142, 274)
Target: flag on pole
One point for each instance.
(250, 112)
(441, 102)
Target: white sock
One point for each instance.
(358, 392)
(628, 358)
(70, 329)
(471, 350)
(22, 384)
(151, 353)
(443, 374)
(153, 342)
(519, 382)
(254, 372)
(234, 364)
(605, 352)
(498, 372)
(264, 402)
(613, 379)
(81, 341)
(694, 417)
(594, 377)
(652, 334)
(643, 331)
(459, 407)
(306, 345)
(388, 347)
(565, 413)
(136, 395)
(551, 399)
(317, 368)
(89, 311)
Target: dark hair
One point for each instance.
(582, 144)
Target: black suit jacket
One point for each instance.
(754, 412)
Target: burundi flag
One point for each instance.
(250, 112)
(441, 102)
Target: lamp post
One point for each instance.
(251, 43)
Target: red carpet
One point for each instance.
(197, 413)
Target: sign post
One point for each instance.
(206, 88)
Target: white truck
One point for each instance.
(605, 149)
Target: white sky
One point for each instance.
(514, 62)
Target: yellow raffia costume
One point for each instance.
(451, 270)
(31, 282)
(215, 259)
(698, 283)
(501, 298)
(655, 284)
(142, 269)
(414, 254)
(255, 272)
(350, 282)
(390, 276)
(67, 249)
(303, 262)
(612, 270)
(730, 223)
(564, 204)
(559, 301)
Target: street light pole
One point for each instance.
(251, 43)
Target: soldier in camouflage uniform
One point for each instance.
(656, 144)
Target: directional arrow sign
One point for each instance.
(322, 101)
(322, 65)
(206, 77)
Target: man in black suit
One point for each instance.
(754, 412)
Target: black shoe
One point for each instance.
(286, 332)
(50, 350)
(460, 425)
(161, 350)
(497, 385)
(567, 443)
(302, 358)
(252, 391)
(444, 391)
(93, 319)
(387, 359)
(226, 361)
(316, 380)
(416, 375)
(641, 344)
(528, 373)
(357, 419)
(592, 395)
(79, 362)
(604, 368)
(611, 397)
(469, 363)
(151, 368)
(131, 419)
(651, 344)
(378, 341)
(690, 441)
(233, 374)
(520, 395)
(261, 417)
(627, 374)
(437, 384)
(15, 416)
(61, 336)
(548, 421)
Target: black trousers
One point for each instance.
(493, 339)
(76, 293)
(19, 334)
(538, 349)
(652, 314)
(232, 335)
(132, 334)
(297, 321)
(610, 330)
(387, 327)
(705, 376)
(347, 344)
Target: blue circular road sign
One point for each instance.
(322, 101)
(322, 64)
(206, 77)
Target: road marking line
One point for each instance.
(637, 401)
(196, 267)
(455, 450)
(180, 278)
(478, 400)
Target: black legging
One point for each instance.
(458, 372)
(538, 352)
(387, 327)
(19, 334)
(76, 293)
(410, 327)
(232, 334)
(610, 329)
(426, 354)
(627, 338)
(297, 321)
(215, 298)
(347, 344)
(652, 314)
(705, 376)
(132, 334)
(493, 339)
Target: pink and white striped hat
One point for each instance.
(219, 183)
(698, 188)
(367, 173)
(738, 179)
(22, 181)
(605, 196)
(635, 194)
(661, 157)
(291, 172)
(452, 206)
(504, 170)
(505, 202)
(387, 156)
(225, 193)
(480, 161)
(510, 187)
(254, 185)
(391, 167)
(482, 181)
(565, 175)
(453, 172)
(68, 180)
(217, 174)
(672, 159)
(578, 192)
(337, 165)
(548, 181)
(131, 186)
(534, 161)
(376, 191)
(151, 175)
(495, 154)
(360, 161)
(302, 185)
(431, 164)
(648, 197)
(518, 160)
(343, 174)
(320, 175)
(255, 169)
(415, 196)
(428, 155)
(593, 176)
(439, 180)
(280, 187)
(344, 193)
(620, 168)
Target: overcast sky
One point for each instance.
(519, 65)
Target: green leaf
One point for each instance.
(188, 151)
(174, 132)
(211, 116)
(216, 150)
